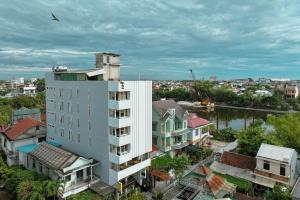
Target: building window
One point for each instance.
(62, 132)
(119, 113)
(33, 164)
(78, 123)
(70, 135)
(282, 170)
(41, 139)
(89, 124)
(77, 107)
(68, 178)
(78, 138)
(266, 165)
(41, 167)
(119, 96)
(119, 131)
(119, 150)
(88, 171)
(154, 126)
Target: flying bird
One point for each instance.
(54, 17)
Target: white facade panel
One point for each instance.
(81, 121)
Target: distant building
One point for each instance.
(291, 91)
(34, 113)
(263, 93)
(275, 164)
(27, 131)
(169, 126)
(28, 90)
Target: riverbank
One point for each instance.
(198, 105)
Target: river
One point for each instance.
(234, 118)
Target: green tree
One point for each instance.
(136, 195)
(202, 89)
(280, 192)
(249, 140)
(158, 195)
(4, 119)
(51, 188)
(24, 190)
(40, 85)
(286, 130)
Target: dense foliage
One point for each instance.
(286, 130)
(226, 134)
(166, 163)
(7, 105)
(178, 94)
(280, 192)
(200, 154)
(250, 139)
(27, 185)
(224, 95)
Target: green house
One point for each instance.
(169, 126)
(34, 113)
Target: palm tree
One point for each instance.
(159, 195)
(50, 188)
(24, 189)
(37, 192)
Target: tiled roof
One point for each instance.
(162, 175)
(203, 170)
(194, 121)
(53, 157)
(20, 128)
(215, 183)
(238, 160)
(161, 107)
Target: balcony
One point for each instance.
(179, 145)
(271, 175)
(180, 132)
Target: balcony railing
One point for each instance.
(179, 145)
(271, 175)
(180, 132)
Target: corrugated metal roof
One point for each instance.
(54, 157)
(273, 152)
(161, 107)
(26, 111)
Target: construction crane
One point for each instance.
(193, 75)
(206, 101)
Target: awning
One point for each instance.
(27, 148)
(95, 73)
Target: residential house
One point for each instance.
(34, 113)
(199, 129)
(94, 114)
(26, 131)
(275, 164)
(169, 126)
(74, 172)
(291, 91)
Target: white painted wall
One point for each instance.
(95, 142)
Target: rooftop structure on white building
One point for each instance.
(94, 114)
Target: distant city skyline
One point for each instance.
(156, 39)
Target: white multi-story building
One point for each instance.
(95, 115)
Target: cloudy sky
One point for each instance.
(158, 39)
